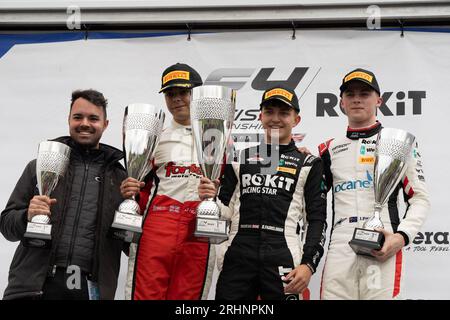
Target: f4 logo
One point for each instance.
(260, 81)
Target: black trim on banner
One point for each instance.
(189, 32)
(293, 30)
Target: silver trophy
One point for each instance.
(142, 128)
(212, 116)
(392, 152)
(51, 164)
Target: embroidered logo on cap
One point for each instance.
(177, 74)
(358, 74)
(279, 92)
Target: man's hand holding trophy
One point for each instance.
(392, 152)
(51, 165)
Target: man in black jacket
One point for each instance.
(82, 262)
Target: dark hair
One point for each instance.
(91, 95)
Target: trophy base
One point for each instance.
(364, 241)
(37, 235)
(124, 235)
(127, 221)
(213, 230)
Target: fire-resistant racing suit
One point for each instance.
(266, 205)
(349, 166)
(169, 262)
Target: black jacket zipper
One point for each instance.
(77, 216)
(60, 223)
(98, 231)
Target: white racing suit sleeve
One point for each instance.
(226, 211)
(416, 195)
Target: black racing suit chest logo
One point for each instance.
(267, 192)
(266, 184)
(280, 180)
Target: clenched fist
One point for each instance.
(40, 205)
(130, 187)
(207, 189)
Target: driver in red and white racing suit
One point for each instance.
(169, 263)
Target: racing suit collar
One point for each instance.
(356, 134)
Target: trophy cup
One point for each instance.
(142, 127)
(51, 164)
(212, 115)
(392, 152)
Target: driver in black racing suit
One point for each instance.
(266, 194)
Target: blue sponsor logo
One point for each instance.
(355, 184)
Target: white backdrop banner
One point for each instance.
(39, 72)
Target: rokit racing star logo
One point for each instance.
(265, 184)
(177, 171)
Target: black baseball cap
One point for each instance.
(180, 75)
(361, 75)
(283, 94)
